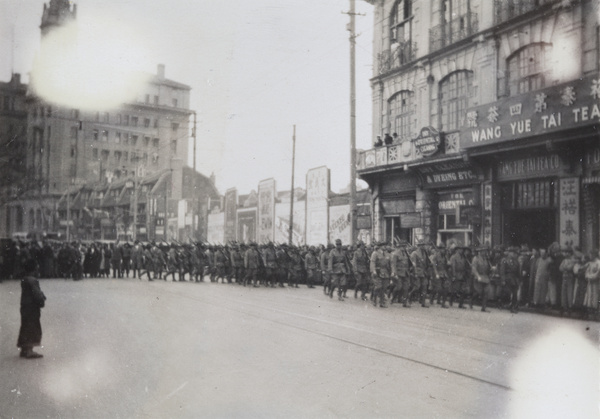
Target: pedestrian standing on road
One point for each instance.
(509, 271)
(32, 301)
(459, 268)
(360, 264)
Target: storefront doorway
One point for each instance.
(535, 228)
(394, 231)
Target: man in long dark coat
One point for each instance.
(32, 301)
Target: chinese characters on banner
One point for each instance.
(230, 214)
(317, 195)
(487, 214)
(266, 210)
(569, 212)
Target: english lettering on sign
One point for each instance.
(520, 127)
(583, 113)
(480, 135)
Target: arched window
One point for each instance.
(402, 49)
(528, 69)
(455, 92)
(400, 114)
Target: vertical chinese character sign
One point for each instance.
(317, 195)
(266, 210)
(487, 214)
(230, 214)
(569, 212)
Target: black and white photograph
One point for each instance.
(299, 209)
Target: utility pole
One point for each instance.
(135, 203)
(194, 191)
(291, 234)
(352, 29)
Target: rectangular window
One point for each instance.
(105, 154)
(125, 157)
(155, 142)
(73, 132)
(174, 103)
(118, 156)
(126, 120)
(118, 137)
(95, 134)
(155, 122)
(105, 136)
(134, 121)
(126, 138)
(146, 141)
(174, 126)
(156, 99)
(134, 140)
(95, 153)
(73, 152)
(147, 122)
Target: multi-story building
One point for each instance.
(492, 114)
(13, 128)
(66, 148)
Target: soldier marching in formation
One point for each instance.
(403, 274)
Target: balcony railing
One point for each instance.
(447, 33)
(397, 154)
(505, 10)
(398, 55)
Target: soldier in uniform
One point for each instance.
(440, 279)
(136, 258)
(419, 260)
(459, 270)
(220, 264)
(296, 265)
(252, 265)
(324, 260)
(360, 264)
(510, 273)
(338, 268)
(270, 263)
(172, 262)
(311, 264)
(147, 263)
(481, 269)
(283, 261)
(400, 270)
(237, 264)
(380, 273)
(158, 258)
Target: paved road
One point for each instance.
(130, 348)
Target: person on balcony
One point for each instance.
(378, 143)
(388, 140)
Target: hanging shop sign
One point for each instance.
(231, 199)
(569, 211)
(529, 167)
(449, 174)
(566, 106)
(266, 210)
(427, 143)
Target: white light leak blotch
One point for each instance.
(557, 377)
(565, 68)
(91, 65)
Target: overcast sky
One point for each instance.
(256, 68)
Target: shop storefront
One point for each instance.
(454, 194)
(543, 154)
(529, 189)
(398, 209)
